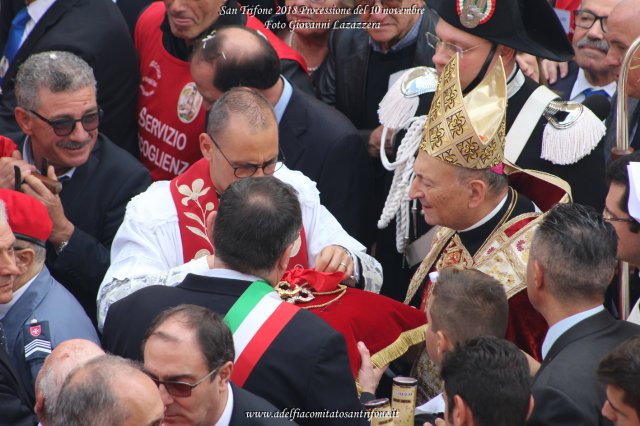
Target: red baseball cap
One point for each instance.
(28, 217)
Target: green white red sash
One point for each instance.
(255, 320)
(195, 198)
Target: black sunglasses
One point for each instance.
(65, 126)
(177, 388)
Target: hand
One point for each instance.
(62, 227)
(334, 259)
(552, 71)
(7, 174)
(368, 375)
(529, 65)
(374, 142)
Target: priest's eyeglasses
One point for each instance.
(65, 126)
(585, 19)
(449, 48)
(178, 388)
(609, 217)
(247, 170)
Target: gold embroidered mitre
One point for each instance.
(467, 131)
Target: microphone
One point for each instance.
(600, 105)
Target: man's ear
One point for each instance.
(461, 414)
(225, 372)
(24, 120)
(206, 146)
(283, 260)
(24, 259)
(532, 404)
(477, 192)
(444, 344)
(39, 407)
(538, 275)
(507, 53)
(211, 223)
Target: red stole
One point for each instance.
(195, 197)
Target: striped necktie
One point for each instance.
(3, 339)
(16, 31)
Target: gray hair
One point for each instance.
(64, 359)
(55, 71)
(577, 250)
(83, 401)
(242, 101)
(40, 252)
(496, 183)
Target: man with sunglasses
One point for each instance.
(59, 116)
(589, 73)
(189, 353)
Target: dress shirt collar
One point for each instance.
(488, 217)
(285, 97)
(582, 84)
(4, 309)
(559, 328)
(225, 419)
(409, 38)
(36, 11)
(515, 81)
(27, 156)
(230, 274)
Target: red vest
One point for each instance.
(170, 113)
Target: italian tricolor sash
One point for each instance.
(195, 197)
(255, 320)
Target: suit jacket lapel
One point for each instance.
(50, 18)
(291, 128)
(584, 328)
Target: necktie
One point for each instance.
(16, 31)
(591, 92)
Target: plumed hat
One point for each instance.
(529, 26)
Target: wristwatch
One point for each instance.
(61, 246)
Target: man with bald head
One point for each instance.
(66, 357)
(314, 138)
(111, 389)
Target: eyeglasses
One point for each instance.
(449, 48)
(585, 19)
(389, 4)
(248, 170)
(177, 388)
(65, 126)
(609, 217)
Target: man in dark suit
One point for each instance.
(93, 30)
(58, 113)
(190, 342)
(589, 73)
(571, 262)
(305, 362)
(314, 138)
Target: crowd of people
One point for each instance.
(227, 212)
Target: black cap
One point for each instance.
(529, 26)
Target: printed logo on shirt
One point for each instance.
(189, 103)
(149, 81)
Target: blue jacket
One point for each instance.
(59, 316)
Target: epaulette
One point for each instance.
(400, 103)
(572, 132)
(37, 339)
